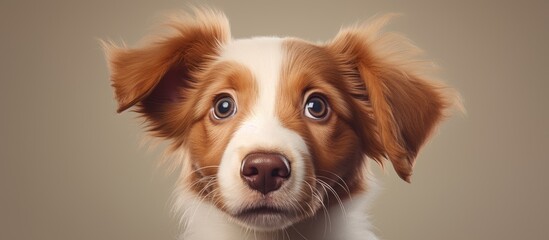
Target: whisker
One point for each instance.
(287, 234)
(325, 185)
(201, 199)
(202, 168)
(328, 224)
(343, 184)
(295, 229)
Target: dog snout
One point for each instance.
(265, 172)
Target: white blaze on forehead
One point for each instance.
(263, 57)
(262, 129)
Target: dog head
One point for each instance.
(275, 128)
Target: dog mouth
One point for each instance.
(263, 210)
(264, 217)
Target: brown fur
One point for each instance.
(405, 106)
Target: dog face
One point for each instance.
(277, 128)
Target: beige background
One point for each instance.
(70, 168)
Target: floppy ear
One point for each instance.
(136, 73)
(405, 106)
(152, 76)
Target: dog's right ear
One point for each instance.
(160, 66)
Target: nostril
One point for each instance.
(249, 171)
(283, 173)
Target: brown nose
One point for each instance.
(265, 172)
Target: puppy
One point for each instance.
(272, 136)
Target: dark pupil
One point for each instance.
(224, 106)
(316, 107)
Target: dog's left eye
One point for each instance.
(224, 107)
(316, 108)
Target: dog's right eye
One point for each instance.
(224, 107)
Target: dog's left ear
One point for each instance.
(405, 107)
